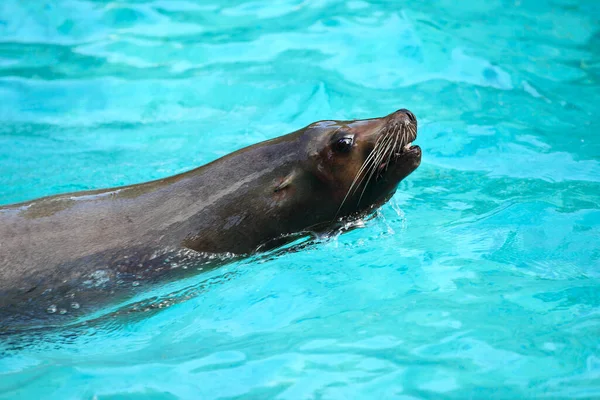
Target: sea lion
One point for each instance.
(65, 254)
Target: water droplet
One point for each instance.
(51, 309)
(135, 283)
(62, 311)
(75, 305)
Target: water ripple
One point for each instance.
(480, 279)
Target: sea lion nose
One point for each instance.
(404, 114)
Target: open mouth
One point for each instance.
(404, 148)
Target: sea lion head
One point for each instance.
(310, 181)
(351, 167)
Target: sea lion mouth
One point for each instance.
(407, 149)
(393, 145)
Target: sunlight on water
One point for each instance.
(480, 279)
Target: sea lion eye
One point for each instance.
(343, 145)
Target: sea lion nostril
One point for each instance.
(405, 116)
(410, 116)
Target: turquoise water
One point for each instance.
(480, 279)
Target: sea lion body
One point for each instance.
(63, 254)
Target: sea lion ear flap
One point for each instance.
(285, 182)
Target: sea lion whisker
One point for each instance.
(358, 174)
(373, 170)
(378, 153)
(405, 138)
(413, 130)
(368, 163)
(370, 176)
(389, 150)
(365, 165)
(386, 152)
(396, 135)
(404, 134)
(371, 158)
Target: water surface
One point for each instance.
(480, 279)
